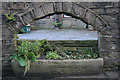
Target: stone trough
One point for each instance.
(59, 68)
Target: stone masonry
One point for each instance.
(103, 16)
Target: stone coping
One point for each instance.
(59, 68)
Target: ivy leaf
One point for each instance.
(11, 57)
(38, 56)
(34, 58)
(22, 62)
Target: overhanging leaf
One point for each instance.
(22, 62)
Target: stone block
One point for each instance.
(58, 6)
(70, 48)
(37, 4)
(38, 12)
(110, 32)
(82, 48)
(48, 8)
(98, 25)
(108, 46)
(60, 68)
(111, 64)
(78, 11)
(87, 4)
(112, 10)
(90, 17)
(27, 17)
(99, 11)
(109, 55)
(113, 25)
(8, 49)
(110, 19)
(17, 5)
(108, 39)
(67, 7)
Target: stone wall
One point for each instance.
(67, 23)
(103, 16)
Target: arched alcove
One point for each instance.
(73, 9)
(86, 15)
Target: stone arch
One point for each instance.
(108, 39)
(86, 15)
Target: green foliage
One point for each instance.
(23, 62)
(82, 54)
(53, 55)
(10, 18)
(55, 24)
(29, 51)
(21, 31)
(58, 24)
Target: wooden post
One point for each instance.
(15, 40)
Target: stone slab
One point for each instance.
(58, 68)
(62, 34)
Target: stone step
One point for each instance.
(71, 45)
(61, 34)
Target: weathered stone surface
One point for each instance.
(16, 5)
(114, 25)
(110, 32)
(71, 43)
(98, 24)
(67, 7)
(87, 4)
(111, 64)
(70, 48)
(109, 19)
(112, 10)
(90, 17)
(48, 8)
(37, 4)
(106, 10)
(79, 11)
(54, 68)
(28, 17)
(82, 48)
(109, 55)
(75, 43)
(19, 24)
(99, 11)
(109, 39)
(8, 48)
(108, 46)
(11, 5)
(38, 12)
(58, 6)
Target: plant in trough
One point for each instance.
(53, 55)
(83, 54)
(29, 51)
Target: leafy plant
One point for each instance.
(53, 55)
(21, 31)
(55, 24)
(58, 24)
(10, 17)
(29, 51)
(83, 54)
